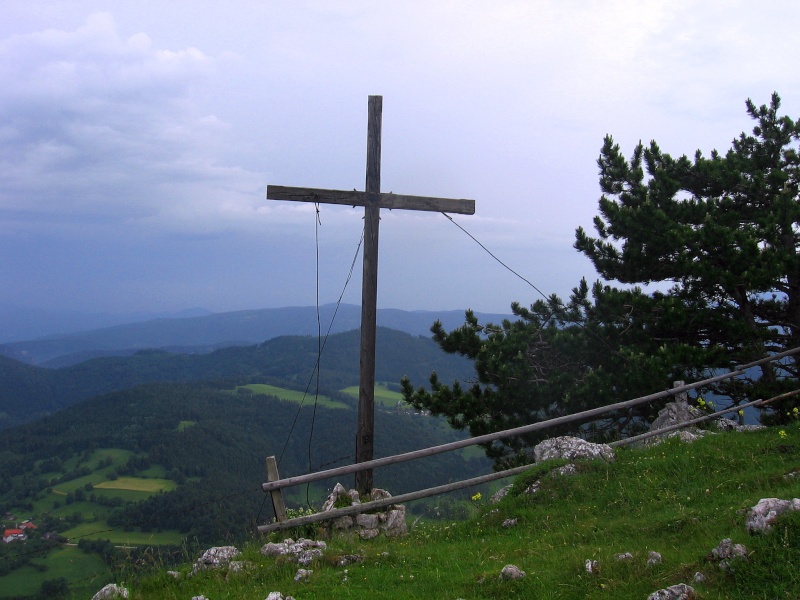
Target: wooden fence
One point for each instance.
(275, 484)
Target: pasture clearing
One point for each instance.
(291, 395)
(185, 425)
(138, 484)
(383, 396)
(101, 530)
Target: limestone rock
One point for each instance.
(533, 488)
(571, 448)
(510, 523)
(500, 494)
(727, 549)
(726, 552)
(395, 523)
(391, 521)
(763, 514)
(238, 566)
(728, 425)
(367, 521)
(302, 551)
(675, 413)
(112, 590)
(564, 471)
(369, 534)
(214, 558)
(592, 566)
(623, 556)
(654, 558)
(278, 596)
(349, 559)
(302, 574)
(339, 491)
(674, 592)
(379, 494)
(511, 572)
(345, 522)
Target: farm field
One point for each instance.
(383, 395)
(291, 395)
(138, 484)
(101, 530)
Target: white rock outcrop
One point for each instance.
(215, 558)
(112, 590)
(763, 514)
(571, 448)
(680, 591)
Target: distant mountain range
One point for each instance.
(204, 333)
(19, 323)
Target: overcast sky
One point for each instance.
(137, 139)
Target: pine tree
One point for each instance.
(723, 230)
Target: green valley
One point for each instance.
(163, 467)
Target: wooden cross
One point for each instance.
(372, 200)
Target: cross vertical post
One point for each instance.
(372, 200)
(365, 436)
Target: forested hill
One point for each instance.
(27, 392)
(211, 442)
(208, 332)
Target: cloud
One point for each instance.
(98, 125)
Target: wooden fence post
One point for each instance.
(277, 495)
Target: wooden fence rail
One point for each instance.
(274, 485)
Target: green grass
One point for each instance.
(292, 395)
(100, 530)
(186, 424)
(383, 395)
(156, 471)
(86, 574)
(678, 499)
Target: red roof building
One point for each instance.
(13, 535)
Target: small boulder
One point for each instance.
(592, 567)
(500, 494)
(349, 559)
(763, 514)
(511, 572)
(726, 552)
(112, 590)
(623, 556)
(674, 592)
(510, 523)
(654, 558)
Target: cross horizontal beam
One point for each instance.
(356, 198)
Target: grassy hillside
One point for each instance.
(679, 500)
